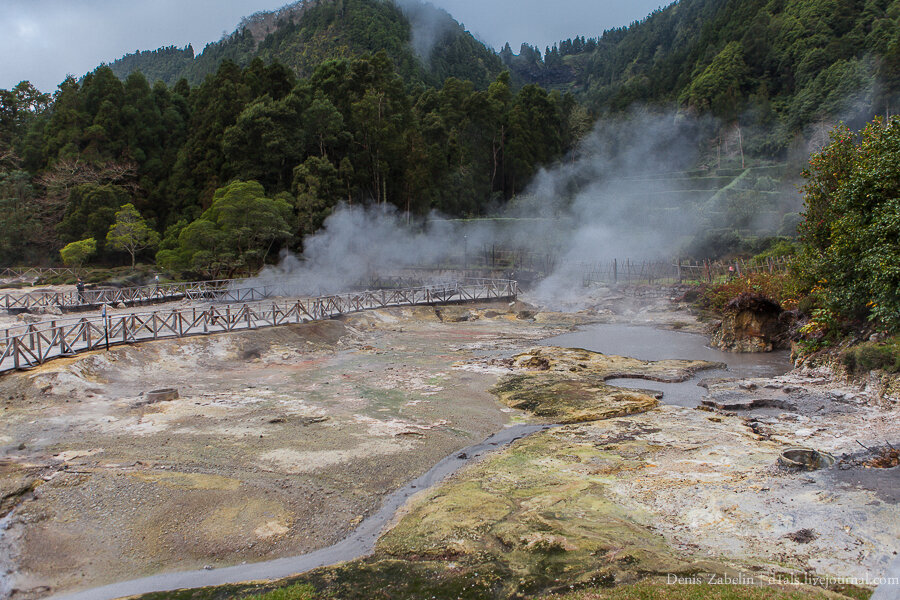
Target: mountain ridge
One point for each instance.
(304, 34)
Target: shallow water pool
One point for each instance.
(648, 343)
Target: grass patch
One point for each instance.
(871, 356)
(702, 591)
(300, 591)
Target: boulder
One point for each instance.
(752, 323)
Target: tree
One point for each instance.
(17, 218)
(851, 230)
(236, 233)
(131, 232)
(91, 211)
(318, 188)
(76, 253)
(719, 86)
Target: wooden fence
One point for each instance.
(36, 272)
(678, 271)
(223, 290)
(27, 346)
(73, 300)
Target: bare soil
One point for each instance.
(280, 442)
(283, 439)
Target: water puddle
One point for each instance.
(358, 544)
(648, 343)
(5, 563)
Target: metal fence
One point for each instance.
(27, 346)
(678, 271)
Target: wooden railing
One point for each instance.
(27, 346)
(194, 290)
(223, 290)
(36, 272)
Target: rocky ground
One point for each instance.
(283, 439)
(280, 441)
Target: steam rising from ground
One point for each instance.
(616, 197)
(429, 25)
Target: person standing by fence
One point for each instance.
(79, 286)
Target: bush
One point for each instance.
(76, 253)
(870, 356)
(778, 248)
(852, 223)
(777, 287)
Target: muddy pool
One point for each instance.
(649, 343)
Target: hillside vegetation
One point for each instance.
(363, 101)
(304, 34)
(776, 66)
(350, 132)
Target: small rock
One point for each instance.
(802, 536)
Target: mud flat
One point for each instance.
(281, 441)
(628, 490)
(640, 492)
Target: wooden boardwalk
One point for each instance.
(223, 290)
(27, 346)
(228, 290)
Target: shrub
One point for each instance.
(852, 223)
(777, 287)
(870, 356)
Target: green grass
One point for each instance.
(300, 591)
(870, 356)
(701, 591)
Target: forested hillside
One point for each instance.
(350, 132)
(773, 65)
(362, 101)
(303, 35)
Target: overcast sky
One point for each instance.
(44, 40)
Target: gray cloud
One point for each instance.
(543, 22)
(44, 40)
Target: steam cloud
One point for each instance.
(617, 196)
(429, 25)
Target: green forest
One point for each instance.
(774, 65)
(229, 155)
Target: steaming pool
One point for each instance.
(648, 343)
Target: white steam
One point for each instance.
(430, 25)
(622, 195)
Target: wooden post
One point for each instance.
(615, 271)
